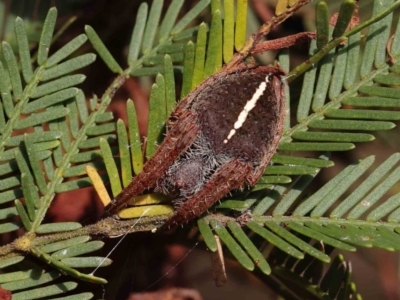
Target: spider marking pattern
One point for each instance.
(248, 107)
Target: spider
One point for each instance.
(220, 138)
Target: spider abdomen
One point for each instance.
(238, 114)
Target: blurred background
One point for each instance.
(376, 272)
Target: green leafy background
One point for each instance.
(50, 134)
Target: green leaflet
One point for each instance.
(23, 214)
(156, 116)
(151, 25)
(228, 30)
(13, 71)
(64, 244)
(86, 262)
(240, 26)
(188, 67)
(137, 34)
(169, 19)
(57, 85)
(135, 143)
(40, 118)
(50, 100)
(68, 66)
(18, 275)
(293, 160)
(29, 282)
(10, 261)
(24, 51)
(193, 13)
(47, 34)
(207, 234)
(111, 167)
(52, 290)
(170, 97)
(101, 50)
(322, 24)
(66, 50)
(344, 17)
(214, 48)
(199, 58)
(58, 227)
(124, 153)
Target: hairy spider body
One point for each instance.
(220, 138)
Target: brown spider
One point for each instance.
(220, 137)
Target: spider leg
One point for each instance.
(228, 177)
(179, 138)
(281, 43)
